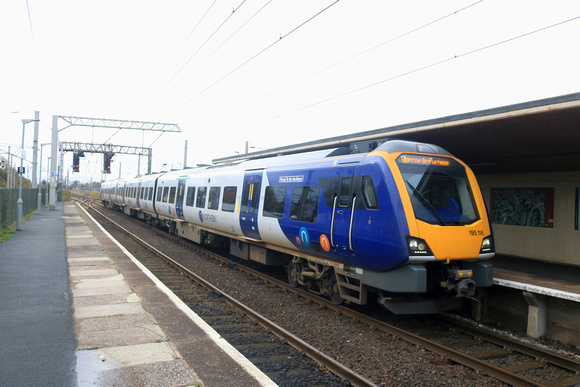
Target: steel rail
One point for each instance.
(334, 366)
(517, 346)
(456, 356)
(452, 354)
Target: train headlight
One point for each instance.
(487, 245)
(417, 246)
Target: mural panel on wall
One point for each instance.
(531, 207)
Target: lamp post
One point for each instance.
(39, 204)
(21, 172)
(47, 181)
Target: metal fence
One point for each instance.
(9, 201)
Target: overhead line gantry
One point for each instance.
(106, 149)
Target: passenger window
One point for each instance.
(190, 196)
(304, 203)
(246, 197)
(229, 201)
(369, 194)
(255, 191)
(344, 197)
(214, 198)
(150, 193)
(274, 200)
(200, 200)
(142, 192)
(165, 194)
(159, 194)
(172, 195)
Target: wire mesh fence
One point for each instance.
(9, 202)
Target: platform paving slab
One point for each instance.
(124, 290)
(97, 370)
(108, 310)
(106, 299)
(122, 336)
(88, 261)
(215, 362)
(118, 342)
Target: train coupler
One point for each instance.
(459, 282)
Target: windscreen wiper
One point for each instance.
(426, 202)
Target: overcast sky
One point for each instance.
(272, 73)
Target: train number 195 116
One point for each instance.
(474, 233)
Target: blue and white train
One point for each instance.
(405, 224)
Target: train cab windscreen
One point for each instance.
(439, 189)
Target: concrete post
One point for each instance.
(9, 170)
(537, 314)
(20, 202)
(149, 161)
(46, 198)
(39, 202)
(53, 159)
(185, 156)
(35, 148)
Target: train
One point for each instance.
(403, 224)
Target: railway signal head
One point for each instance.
(107, 162)
(75, 165)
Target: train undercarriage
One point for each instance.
(412, 289)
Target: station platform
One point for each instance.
(76, 309)
(541, 297)
(550, 279)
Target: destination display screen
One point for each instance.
(427, 161)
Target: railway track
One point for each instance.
(502, 358)
(283, 356)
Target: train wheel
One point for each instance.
(335, 297)
(330, 289)
(293, 271)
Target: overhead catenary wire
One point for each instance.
(198, 50)
(180, 47)
(418, 69)
(224, 42)
(254, 57)
(391, 40)
(31, 29)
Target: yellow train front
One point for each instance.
(443, 221)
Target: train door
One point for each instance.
(250, 203)
(139, 192)
(179, 201)
(156, 195)
(342, 213)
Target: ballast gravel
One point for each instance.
(380, 357)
